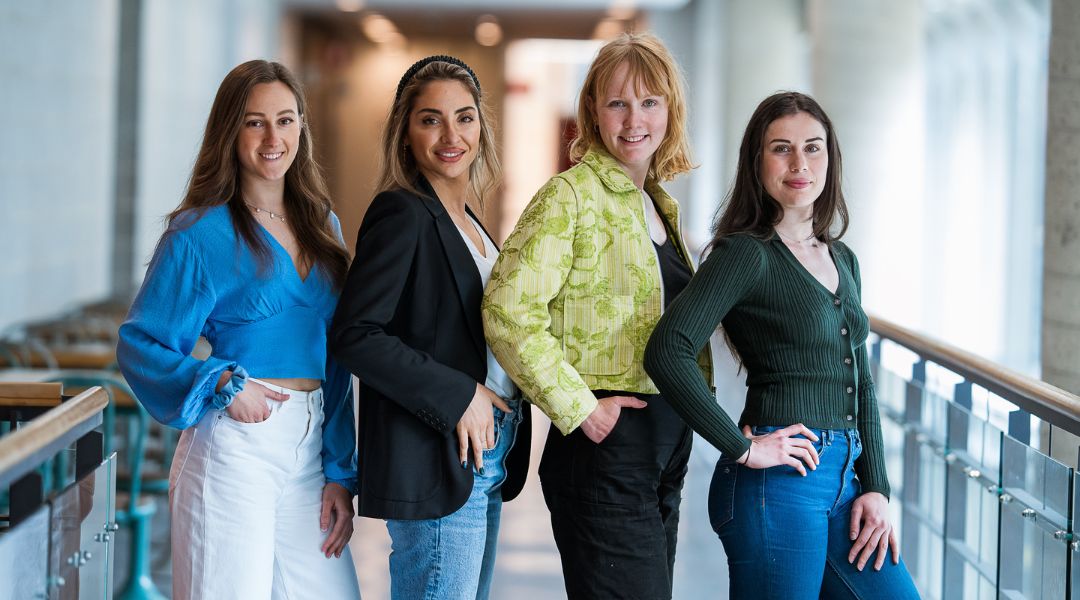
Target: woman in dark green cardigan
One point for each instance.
(800, 496)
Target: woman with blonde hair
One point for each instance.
(260, 492)
(438, 415)
(581, 283)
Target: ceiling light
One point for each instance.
(349, 5)
(379, 29)
(488, 32)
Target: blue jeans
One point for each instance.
(453, 557)
(786, 536)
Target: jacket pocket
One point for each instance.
(594, 334)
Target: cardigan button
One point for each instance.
(850, 389)
(847, 361)
(836, 301)
(843, 331)
(850, 418)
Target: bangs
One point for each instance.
(646, 72)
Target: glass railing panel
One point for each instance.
(24, 558)
(1074, 546)
(891, 388)
(1034, 520)
(971, 506)
(90, 515)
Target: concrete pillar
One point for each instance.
(1061, 258)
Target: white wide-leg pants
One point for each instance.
(245, 500)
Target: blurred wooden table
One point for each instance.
(122, 399)
(85, 355)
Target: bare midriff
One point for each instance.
(300, 385)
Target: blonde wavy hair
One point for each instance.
(652, 68)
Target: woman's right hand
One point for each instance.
(249, 404)
(477, 426)
(780, 447)
(602, 420)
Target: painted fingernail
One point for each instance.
(463, 465)
(481, 470)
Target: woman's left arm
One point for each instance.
(339, 427)
(870, 528)
(338, 449)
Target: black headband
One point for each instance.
(423, 62)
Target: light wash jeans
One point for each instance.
(786, 536)
(245, 500)
(453, 557)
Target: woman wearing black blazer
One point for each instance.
(437, 416)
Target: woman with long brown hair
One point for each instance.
(262, 481)
(800, 495)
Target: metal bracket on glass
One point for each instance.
(54, 582)
(79, 559)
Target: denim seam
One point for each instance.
(764, 520)
(829, 565)
(284, 589)
(843, 478)
(214, 424)
(432, 592)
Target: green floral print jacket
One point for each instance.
(577, 291)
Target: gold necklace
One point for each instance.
(273, 215)
(796, 242)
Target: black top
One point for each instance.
(673, 270)
(408, 326)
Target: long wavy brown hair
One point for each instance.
(399, 170)
(651, 67)
(215, 179)
(749, 208)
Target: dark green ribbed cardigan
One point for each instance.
(803, 347)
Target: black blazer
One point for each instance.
(408, 326)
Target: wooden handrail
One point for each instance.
(1049, 403)
(23, 450)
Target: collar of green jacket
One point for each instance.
(614, 177)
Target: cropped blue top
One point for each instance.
(204, 280)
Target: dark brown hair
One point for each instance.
(749, 208)
(215, 179)
(652, 68)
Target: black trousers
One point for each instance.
(615, 505)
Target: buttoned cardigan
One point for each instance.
(803, 347)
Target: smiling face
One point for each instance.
(270, 134)
(444, 131)
(632, 122)
(794, 160)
